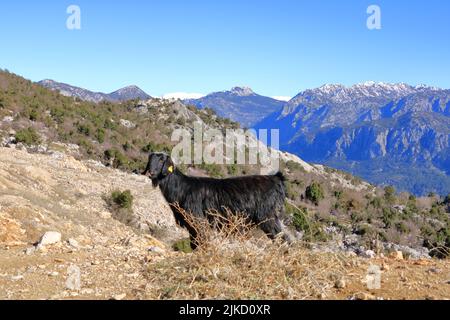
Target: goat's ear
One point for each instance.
(169, 166)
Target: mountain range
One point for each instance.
(388, 134)
(123, 94)
(239, 104)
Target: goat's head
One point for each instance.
(159, 166)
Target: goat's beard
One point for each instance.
(155, 182)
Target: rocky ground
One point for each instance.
(59, 240)
(55, 192)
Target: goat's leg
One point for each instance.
(193, 234)
(272, 227)
(275, 228)
(193, 237)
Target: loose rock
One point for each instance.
(397, 255)
(49, 238)
(73, 243)
(156, 250)
(74, 278)
(120, 296)
(363, 296)
(29, 251)
(17, 278)
(340, 284)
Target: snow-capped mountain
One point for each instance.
(240, 104)
(127, 93)
(386, 133)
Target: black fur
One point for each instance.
(259, 198)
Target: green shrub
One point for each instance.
(57, 114)
(294, 166)
(401, 227)
(302, 222)
(28, 136)
(33, 115)
(84, 129)
(119, 160)
(291, 190)
(155, 147)
(299, 218)
(100, 135)
(109, 154)
(364, 229)
(376, 203)
(314, 193)
(389, 194)
(86, 146)
(126, 146)
(110, 125)
(447, 199)
(123, 199)
(183, 245)
(388, 216)
(438, 241)
(338, 194)
(232, 169)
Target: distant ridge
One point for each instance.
(239, 104)
(386, 133)
(123, 94)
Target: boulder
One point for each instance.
(49, 238)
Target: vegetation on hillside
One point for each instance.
(122, 135)
(42, 116)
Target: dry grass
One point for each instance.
(231, 264)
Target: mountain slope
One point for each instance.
(239, 104)
(334, 205)
(388, 128)
(55, 192)
(127, 93)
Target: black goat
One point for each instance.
(260, 198)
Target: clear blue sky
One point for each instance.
(277, 47)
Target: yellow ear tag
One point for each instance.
(170, 169)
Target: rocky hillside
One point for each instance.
(57, 194)
(388, 134)
(54, 189)
(239, 104)
(325, 204)
(72, 214)
(61, 239)
(123, 94)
